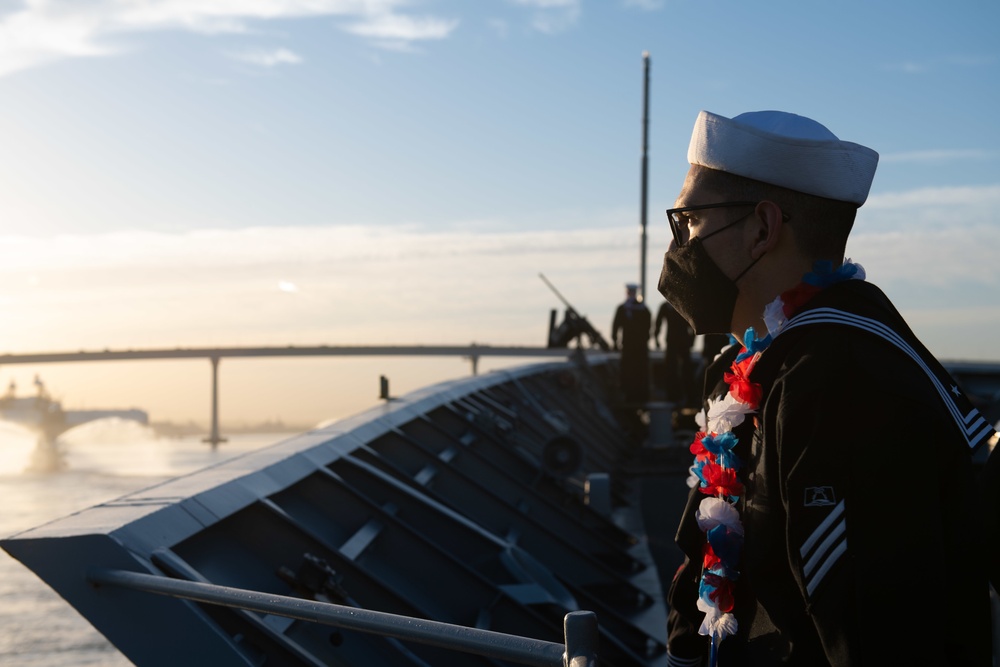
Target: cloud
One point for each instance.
(396, 32)
(937, 156)
(932, 64)
(932, 250)
(971, 60)
(371, 285)
(945, 282)
(499, 27)
(974, 199)
(549, 4)
(35, 36)
(268, 58)
(907, 67)
(399, 28)
(936, 236)
(958, 209)
(42, 32)
(938, 258)
(552, 16)
(648, 5)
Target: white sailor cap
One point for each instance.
(784, 149)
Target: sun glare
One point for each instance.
(17, 446)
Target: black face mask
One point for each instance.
(697, 287)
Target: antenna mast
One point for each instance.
(645, 173)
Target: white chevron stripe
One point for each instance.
(827, 564)
(835, 535)
(977, 424)
(822, 528)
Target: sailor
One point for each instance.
(834, 518)
(632, 321)
(678, 369)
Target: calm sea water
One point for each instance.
(38, 483)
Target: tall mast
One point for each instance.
(645, 173)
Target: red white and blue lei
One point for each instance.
(716, 465)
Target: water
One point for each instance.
(91, 464)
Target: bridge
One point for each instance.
(471, 352)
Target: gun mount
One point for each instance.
(573, 326)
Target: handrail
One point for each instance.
(580, 627)
(472, 350)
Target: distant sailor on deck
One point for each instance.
(677, 341)
(833, 518)
(632, 321)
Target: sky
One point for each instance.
(302, 172)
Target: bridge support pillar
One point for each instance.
(213, 437)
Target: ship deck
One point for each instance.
(502, 502)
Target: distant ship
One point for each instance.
(45, 415)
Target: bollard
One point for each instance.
(597, 490)
(580, 628)
(661, 424)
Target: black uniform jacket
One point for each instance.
(863, 527)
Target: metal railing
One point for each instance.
(580, 627)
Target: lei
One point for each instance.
(716, 465)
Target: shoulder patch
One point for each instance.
(819, 496)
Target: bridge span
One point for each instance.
(471, 352)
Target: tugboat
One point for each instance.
(45, 415)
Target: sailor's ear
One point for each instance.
(766, 227)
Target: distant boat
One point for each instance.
(47, 416)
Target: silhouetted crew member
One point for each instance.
(678, 339)
(632, 320)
